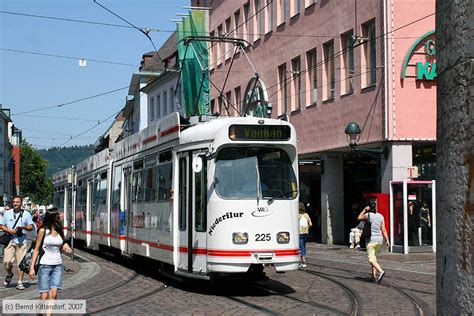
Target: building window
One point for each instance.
(220, 45)
(213, 106)
(172, 100)
(220, 100)
(151, 109)
(165, 103)
(213, 52)
(369, 54)
(178, 92)
(296, 83)
(294, 7)
(281, 11)
(282, 89)
(230, 109)
(269, 21)
(347, 69)
(228, 46)
(238, 100)
(245, 23)
(237, 24)
(259, 20)
(158, 106)
(311, 78)
(329, 81)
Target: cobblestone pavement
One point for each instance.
(336, 282)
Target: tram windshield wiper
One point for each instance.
(270, 201)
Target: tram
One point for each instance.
(210, 198)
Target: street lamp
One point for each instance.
(353, 132)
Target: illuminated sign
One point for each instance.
(259, 132)
(426, 69)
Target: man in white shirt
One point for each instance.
(15, 222)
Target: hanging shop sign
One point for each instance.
(420, 61)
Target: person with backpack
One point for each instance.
(14, 224)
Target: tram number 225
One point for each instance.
(262, 237)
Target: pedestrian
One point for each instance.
(377, 234)
(425, 222)
(305, 224)
(412, 224)
(2, 211)
(15, 222)
(50, 271)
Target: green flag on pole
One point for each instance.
(194, 61)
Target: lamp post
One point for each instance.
(353, 132)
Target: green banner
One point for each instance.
(194, 62)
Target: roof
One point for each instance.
(151, 61)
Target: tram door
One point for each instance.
(125, 209)
(90, 186)
(192, 215)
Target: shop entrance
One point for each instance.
(361, 178)
(413, 216)
(310, 194)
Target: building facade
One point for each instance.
(324, 64)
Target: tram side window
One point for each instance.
(164, 181)
(137, 186)
(200, 206)
(100, 191)
(182, 193)
(116, 187)
(150, 187)
(59, 199)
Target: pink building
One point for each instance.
(323, 64)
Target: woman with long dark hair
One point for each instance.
(50, 270)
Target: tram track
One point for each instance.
(355, 300)
(420, 306)
(133, 300)
(297, 299)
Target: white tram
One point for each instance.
(213, 198)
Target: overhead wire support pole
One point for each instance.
(236, 42)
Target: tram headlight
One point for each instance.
(283, 237)
(240, 238)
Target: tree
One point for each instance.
(34, 181)
(455, 159)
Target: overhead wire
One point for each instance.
(57, 118)
(159, 30)
(91, 128)
(66, 57)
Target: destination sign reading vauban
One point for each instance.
(259, 132)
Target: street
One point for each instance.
(336, 282)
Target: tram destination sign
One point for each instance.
(260, 132)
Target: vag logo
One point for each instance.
(261, 212)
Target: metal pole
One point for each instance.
(73, 211)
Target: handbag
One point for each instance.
(6, 237)
(366, 231)
(26, 261)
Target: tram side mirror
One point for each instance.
(197, 164)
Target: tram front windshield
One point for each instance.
(251, 173)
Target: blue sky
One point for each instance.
(29, 82)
